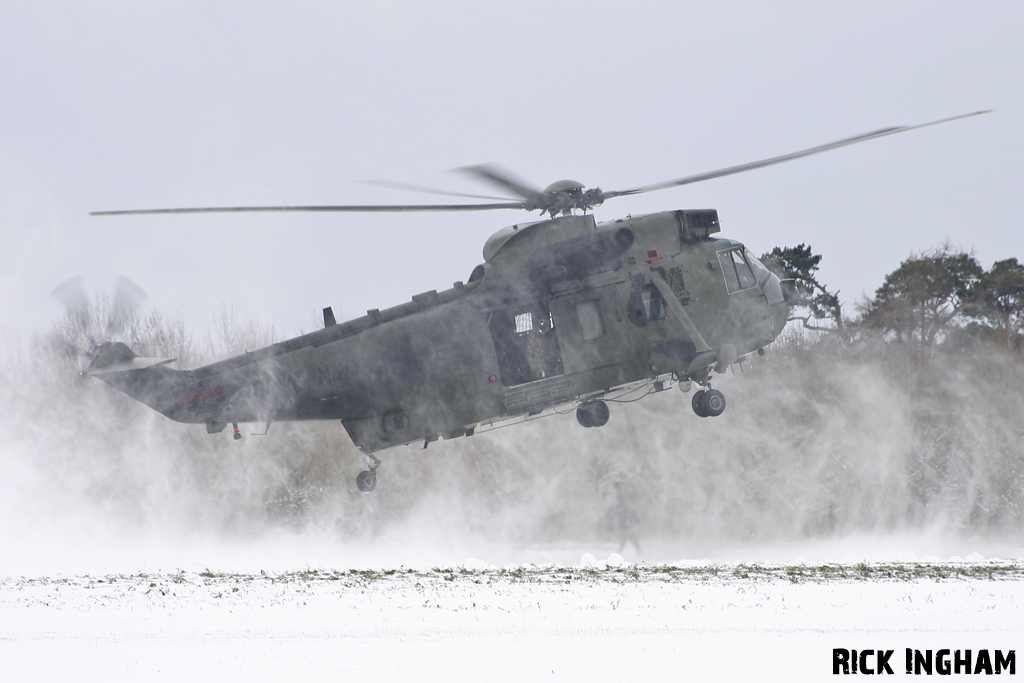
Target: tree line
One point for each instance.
(940, 297)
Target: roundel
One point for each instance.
(399, 368)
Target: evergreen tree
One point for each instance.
(998, 299)
(800, 264)
(930, 294)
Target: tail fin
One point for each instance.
(117, 357)
(147, 380)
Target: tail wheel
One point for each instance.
(366, 481)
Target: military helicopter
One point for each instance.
(563, 311)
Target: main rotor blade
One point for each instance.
(780, 159)
(502, 178)
(128, 296)
(71, 293)
(394, 185)
(367, 208)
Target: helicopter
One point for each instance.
(564, 311)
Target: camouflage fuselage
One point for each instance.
(561, 310)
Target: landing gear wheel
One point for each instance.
(599, 414)
(714, 402)
(594, 415)
(583, 417)
(698, 403)
(366, 481)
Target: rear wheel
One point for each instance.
(366, 481)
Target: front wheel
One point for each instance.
(698, 403)
(594, 415)
(714, 403)
(599, 414)
(584, 418)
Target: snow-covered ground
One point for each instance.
(594, 621)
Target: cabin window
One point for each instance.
(645, 304)
(654, 305)
(525, 343)
(591, 322)
(736, 270)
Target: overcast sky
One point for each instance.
(118, 105)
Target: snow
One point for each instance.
(603, 620)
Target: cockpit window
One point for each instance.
(769, 281)
(760, 272)
(737, 272)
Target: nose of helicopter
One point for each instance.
(778, 303)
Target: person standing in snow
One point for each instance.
(625, 519)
